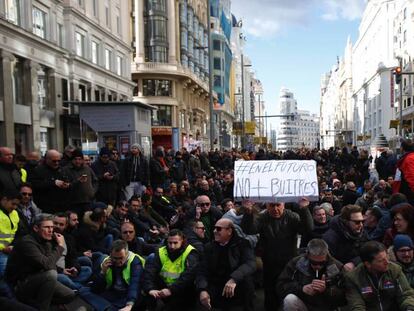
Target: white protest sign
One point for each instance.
(275, 181)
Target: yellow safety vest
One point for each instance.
(171, 271)
(8, 227)
(126, 273)
(23, 174)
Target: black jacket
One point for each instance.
(278, 234)
(152, 278)
(32, 255)
(47, 196)
(298, 273)
(127, 171)
(343, 245)
(157, 173)
(241, 260)
(9, 177)
(107, 189)
(316, 233)
(178, 171)
(142, 248)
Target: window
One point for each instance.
(95, 7)
(95, 52)
(80, 44)
(217, 63)
(18, 82)
(217, 80)
(42, 88)
(60, 35)
(118, 21)
(107, 13)
(157, 87)
(108, 56)
(162, 116)
(12, 11)
(216, 45)
(119, 65)
(39, 22)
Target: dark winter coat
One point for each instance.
(47, 196)
(107, 189)
(126, 172)
(10, 178)
(81, 192)
(241, 261)
(344, 245)
(299, 273)
(278, 234)
(32, 255)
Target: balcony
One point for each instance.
(168, 69)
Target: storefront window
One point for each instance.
(162, 116)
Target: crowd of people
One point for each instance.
(164, 232)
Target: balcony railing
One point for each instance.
(166, 68)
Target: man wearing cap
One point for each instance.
(108, 176)
(403, 249)
(84, 183)
(134, 172)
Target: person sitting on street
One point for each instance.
(320, 225)
(27, 210)
(312, 281)
(117, 218)
(9, 224)
(371, 220)
(31, 268)
(376, 283)
(169, 276)
(117, 286)
(136, 244)
(402, 253)
(225, 277)
(346, 235)
(70, 272)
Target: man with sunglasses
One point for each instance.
(225, 278)
(312, 281)
(207, 214)
(27, 210)
(346, 235)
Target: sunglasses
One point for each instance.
(127, 232)
(218, 228)
(203, 204)
(26, 194)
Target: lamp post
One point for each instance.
(210, 78)
(243, 138)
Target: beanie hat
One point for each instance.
(77, 153)
(136, 146)
(402, 240)
(104, 151)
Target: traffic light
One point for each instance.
(398, 75)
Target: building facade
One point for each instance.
(53, 54)
(297, 128)
(170, 68)
(372, 63)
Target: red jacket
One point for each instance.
(406, 166)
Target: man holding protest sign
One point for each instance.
(278, 227)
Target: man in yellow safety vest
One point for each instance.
(9, 222)
(169, 275)
(118, 283)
